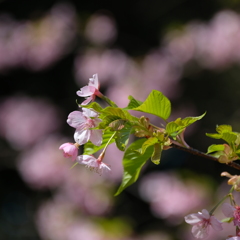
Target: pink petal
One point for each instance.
(228, 209)
(85, 158)
(193, 218)
(76, 119)
(88, 100)
(96, 137)
(82, 136)
(216, 225)
(94, 81)
(63, 145)
(86, 91)
(89, 113)
(199, 232)
(205, 214)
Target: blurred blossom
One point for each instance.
(87, 191)
(101, 29)
(170, 197)
(37, 44)
(111, 66)
(58, 220)
(214, 45)
(43, 165)
(25, 120)
(161, 72)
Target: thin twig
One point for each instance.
(201, 154)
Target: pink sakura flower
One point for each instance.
(201, 222)
(90, 91)
(234, 238)
(70, 150)
(93, 164)
(232, 212)
(83, 122)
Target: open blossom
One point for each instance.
(84, 122)
(232, 212)
(70, 150)
(201, 222)
(91, 91)
(93, 164)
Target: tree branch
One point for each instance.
(204, 155)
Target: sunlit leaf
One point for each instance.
(214, 135)
(215, 148)
(156, 104)
(133, 103)
(229, 137)
(132, 163)
(224, 128)
(190, 120)
(149, 142)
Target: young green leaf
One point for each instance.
(224, 128)
(132, 163)
(215, 148)
(122, 137)
(229, 137)
(156, 104)
(149, 142)
(133, 103)
(155, 158)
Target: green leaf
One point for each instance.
(95, 106)
(173, 129)
(177, 126)
(190, 120)
(118, 112)
(229, 137)
(122, 137)
(133, 103)
(132, 163)
(107, 120)
(117, 124)
(215, 148)
(155, 158)
(156, 104)
(149, 142)
(214, 135)
(90, 148)
(224, 128)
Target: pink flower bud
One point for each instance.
(70, 150)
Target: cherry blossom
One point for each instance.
(201, 222)
(232, 212)
(93, 164)
(90, 91)
(70, 150)
(84, 122)
(234, 238)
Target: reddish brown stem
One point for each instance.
(201, 154)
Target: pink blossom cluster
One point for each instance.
(84, 122)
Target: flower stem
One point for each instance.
(219, 203)
(109, 140)
(111, 103)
